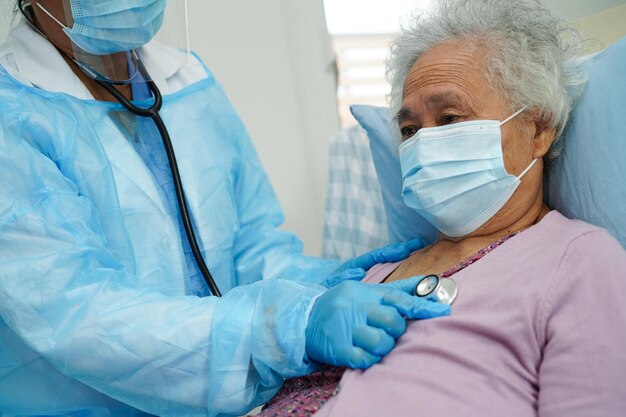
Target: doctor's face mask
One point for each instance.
(454, 175)
(110, 26)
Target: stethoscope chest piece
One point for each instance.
(445, 290)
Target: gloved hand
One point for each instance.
(355, 324)
(354, 269)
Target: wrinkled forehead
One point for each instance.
(456, 68)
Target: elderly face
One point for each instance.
(448, 85)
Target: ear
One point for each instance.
(542, 142)
(544, 136)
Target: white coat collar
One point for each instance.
(39, 63)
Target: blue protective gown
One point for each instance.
(94, 316)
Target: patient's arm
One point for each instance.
(583, 324)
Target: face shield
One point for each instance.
(105, 37)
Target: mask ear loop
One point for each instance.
(511, 117)
(26, 10)
(519, 177)
(508, 119)
(51, 16)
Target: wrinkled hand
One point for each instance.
(354, 269)
(355, 324)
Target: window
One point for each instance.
(361, 31)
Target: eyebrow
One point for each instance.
(436, 101)
(405, 114)
(446, 99)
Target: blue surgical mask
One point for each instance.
(103, 27)
(454, 175)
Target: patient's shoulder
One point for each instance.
(558, 245)
(585, 251)
(561, 229)
(587, 269)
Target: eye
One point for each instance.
(408, 132)
(447, 119)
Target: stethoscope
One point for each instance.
(444, 290)
(153, 113)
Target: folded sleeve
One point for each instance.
(64, 293)
(583, 324)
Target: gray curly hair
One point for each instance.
(531, 53)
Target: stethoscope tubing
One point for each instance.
(153, 113)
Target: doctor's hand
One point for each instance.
(355, 324)
(354, 269)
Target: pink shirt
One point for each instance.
(538, 329)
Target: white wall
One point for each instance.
(605, 27)
(577, 9)
(273, 57)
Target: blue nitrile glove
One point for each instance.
(354, 269)
(355, 324)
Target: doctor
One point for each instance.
(103, 307)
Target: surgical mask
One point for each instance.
(454, 175)
(103, 27)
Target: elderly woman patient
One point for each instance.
(482, 90)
